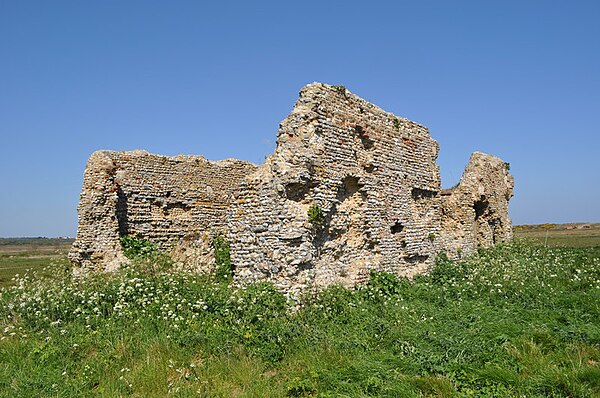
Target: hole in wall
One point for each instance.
(366, 141)
(297, 191)
(480, 207)
(397, 227)
(418, 193)
(415, 259)
(350, 185)
(122, 212)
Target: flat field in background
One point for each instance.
(20, 254)
(561, 235)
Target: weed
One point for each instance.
(396, 123)
(222, 249)
(301, 388)
(316, 216)
(134, 247)
(340, 90)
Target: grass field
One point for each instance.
(20, 254)
(558, 235)
(518, 320)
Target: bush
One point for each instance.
(316, 216)
(137, 247)
(446, 270)
(384, 284)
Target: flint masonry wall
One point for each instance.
(475, 211)
(372, 173)
(172, 201)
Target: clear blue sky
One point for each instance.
(518, 79)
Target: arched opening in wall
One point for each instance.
(297, 191)
(483, 226)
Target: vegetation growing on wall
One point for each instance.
(316, 216)
(222, 249)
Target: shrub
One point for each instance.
(384, 284)
(134, 247)
(446, 270)
(316, 216)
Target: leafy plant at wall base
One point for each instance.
(223, 270)
(384, 283)
(137, 247)
(316, 216)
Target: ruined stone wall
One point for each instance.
(171, 201)
(475, 212)
(372, 174)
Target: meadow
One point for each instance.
(561, 235)
(520, 319)
(20, 254)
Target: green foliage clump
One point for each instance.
(145, 256)
(299, 387)
(222, 249)
(431, 236)
(316, 216)
(507, 166)
(134, 247)
(383, 284)
(396, 123)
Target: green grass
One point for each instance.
(19, 255)
(516, 320)
(19, 262)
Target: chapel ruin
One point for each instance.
(372, 175)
